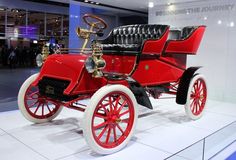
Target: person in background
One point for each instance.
(1, 60)
(5, 55)
(12, 58)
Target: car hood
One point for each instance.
(64, 67)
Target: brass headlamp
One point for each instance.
(95, 63)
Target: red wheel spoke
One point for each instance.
(99, 115)
(48, 108)
(199, 106)
(121, 107)
(125, 120)
(194, 106)
(102, 133)
(192, 92)
(32, 94)
(42, 109)
(117, 102)
(118, 126)
(200, 91)
(100, 125)
(195, 87)
(110, 104)
(114, 133)
(106, 104)
(124, 113)
(33, 104)
(37, 108)
(106, 111)
(53, 102)
(108, 135)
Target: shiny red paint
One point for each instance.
(155, 46)
(178, 60)
(66, 67)
(154, 72)
(189, 45)
(88, 84)
(115, 63)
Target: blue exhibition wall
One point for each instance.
(76, 13)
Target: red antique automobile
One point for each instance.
(117, 73)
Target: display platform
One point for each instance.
(160, 133)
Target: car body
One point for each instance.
(121, 71)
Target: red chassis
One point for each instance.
(131, 70)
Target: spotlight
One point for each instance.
(86, 1)
(91, 2)
(150, 4)
(205, 18)
(219, 22)
(97, 3)
(231, 24)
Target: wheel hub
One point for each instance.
(42, 101)
(114, 118)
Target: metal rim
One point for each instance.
(113, 119)
(38, 106)
(198, 96)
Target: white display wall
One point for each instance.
(217, 53)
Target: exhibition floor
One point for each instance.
(160, 133)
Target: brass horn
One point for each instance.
(83, 33)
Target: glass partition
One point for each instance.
(36, 21)
(54, 22)
(16, 22)
(2, 22)
(209, 147)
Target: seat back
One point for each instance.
(136, 34)
(186, 31)
(174, 34)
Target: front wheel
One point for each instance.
(33, 106)
(196, 97)
(110, 119)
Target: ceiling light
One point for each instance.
(97, 3)
(2, 9)
(86, 1)
(169, 4)
(150, 4)
(92, 2)
(231, 24)
(205, 18)
(219, 22)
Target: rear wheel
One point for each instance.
(110, 119)
(33, 106)
(196, 98)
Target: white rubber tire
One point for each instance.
(87, 120)
(21, 103)
(188, 110)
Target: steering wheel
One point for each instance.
(94, 21)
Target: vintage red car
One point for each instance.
(117, 73)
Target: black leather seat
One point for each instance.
(130, 38)
(187, 31)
